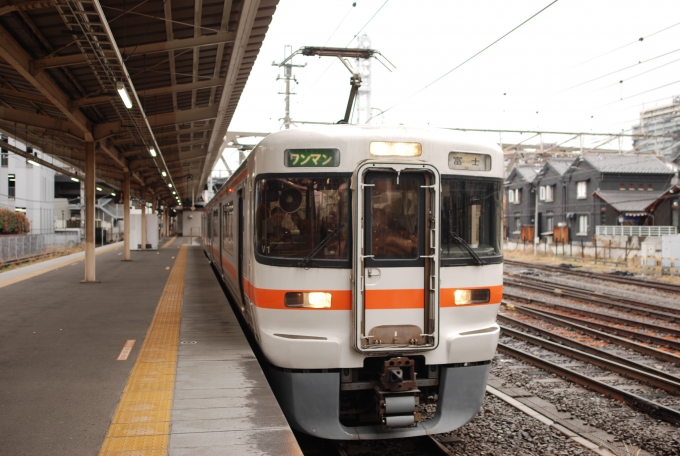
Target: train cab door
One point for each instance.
(396, 265)
(240, 272)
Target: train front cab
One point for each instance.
(404, 229)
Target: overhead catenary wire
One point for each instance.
(639, 74)
(642, 62)
(621, 47)
(366, 24)
(340, 24)
(350, 41)
(638, 94)
(467, 60)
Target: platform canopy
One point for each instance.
(66, 66)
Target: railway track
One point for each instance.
(651, 408)
(595, 314)
(644, 349)
(586, 319)
(596, 275)
(426, 445)
(583, 347)
(628, 305)
(580, 321)
(413, 446)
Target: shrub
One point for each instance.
(13, 222)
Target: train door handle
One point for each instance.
(371, 272)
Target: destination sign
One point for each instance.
(469, 162)
(311, 158)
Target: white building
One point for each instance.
(26, 187)
(660, 120)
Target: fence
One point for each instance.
(643, 231)
(17, 247)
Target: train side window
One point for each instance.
(303, 215)
(228, 227)
(216, 225)
(471, 213)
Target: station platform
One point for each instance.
(149, 361)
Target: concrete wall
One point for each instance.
(191, 223)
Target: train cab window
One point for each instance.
(394, 218)
(471, 220)
(303, 220)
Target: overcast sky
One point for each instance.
(536, 78)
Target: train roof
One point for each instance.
(353, 142)
(465, 141)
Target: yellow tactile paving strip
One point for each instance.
(167, 244)
(141, 424)
(29, 275)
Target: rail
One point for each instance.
(597, 275)
(653, 409)
(643, 231)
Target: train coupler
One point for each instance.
(398, 397)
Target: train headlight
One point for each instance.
(396, 148)
(312, 300)
(479, 296)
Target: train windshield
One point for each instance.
(303, 221)
(471, 220)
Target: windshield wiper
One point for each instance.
(308, 259)
(460, 241)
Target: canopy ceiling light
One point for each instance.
(164, 173)
(152, 151)
(122, 91)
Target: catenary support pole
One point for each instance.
(89, 212)
(126, 215)
(143, 218)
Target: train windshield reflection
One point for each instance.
(471, 211)
(295, 215)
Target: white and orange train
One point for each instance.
(367, 262)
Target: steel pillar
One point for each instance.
(143, 220)
(126, 216)
(166, 219)
(90, 196)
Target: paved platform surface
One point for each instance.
(222, 401)
(60, 383)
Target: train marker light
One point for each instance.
(313, 300)
(396, 148)
(480, 296)
(122, 91)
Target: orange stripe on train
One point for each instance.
(375, 299)
(395, 299)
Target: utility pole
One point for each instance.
(363, 67)
(287, 77)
